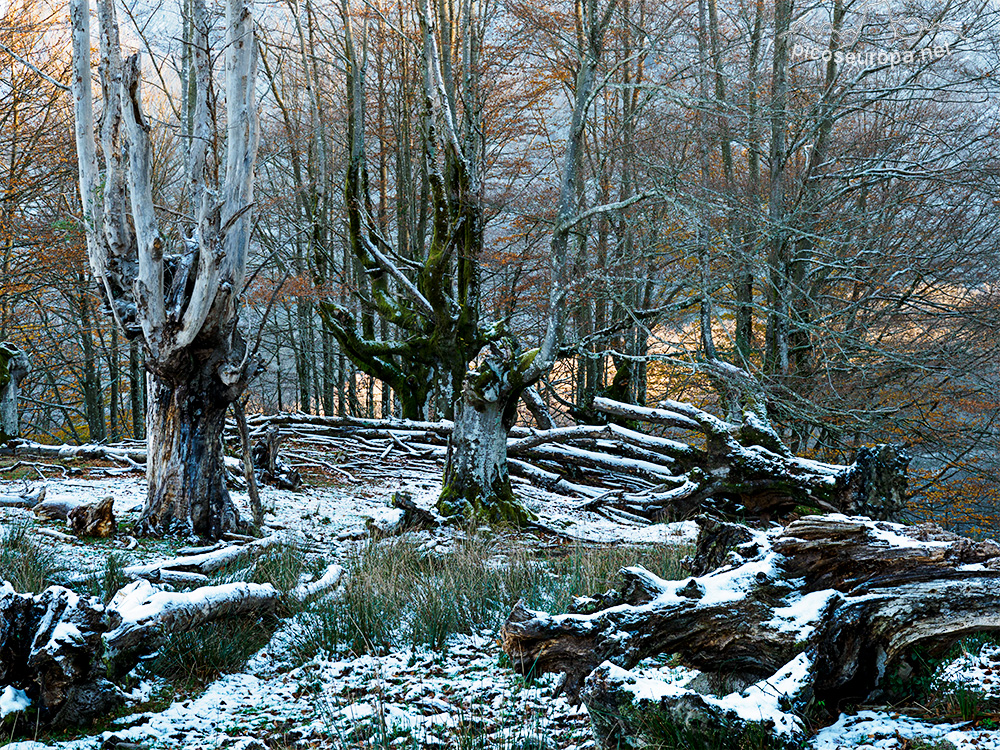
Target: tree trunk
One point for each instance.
(185, 466)
(13, 368)
(476, 481)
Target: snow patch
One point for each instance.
(13, 701)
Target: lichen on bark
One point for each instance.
(13, 367)
(476, 480)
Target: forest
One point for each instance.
(489, 374)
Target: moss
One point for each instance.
(465, 501)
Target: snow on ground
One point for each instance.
(406, 697)
(879, 730)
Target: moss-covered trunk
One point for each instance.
(13, 367)
(186, 468)
(476, 481)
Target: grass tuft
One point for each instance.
(30, 567)
(396, 590)
(196, 657)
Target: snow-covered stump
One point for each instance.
(13, 368)
(51, 655)
(824, 609)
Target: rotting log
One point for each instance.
(27, 499)
(67, 653)
(736, 467)
(816, 613)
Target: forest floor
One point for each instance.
(405, 655)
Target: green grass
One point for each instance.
(111, 579)
(29, 566)
(194, 658)
(395, 591)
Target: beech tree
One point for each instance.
(180, 297)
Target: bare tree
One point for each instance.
(181, 298)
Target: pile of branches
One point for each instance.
(736, 468)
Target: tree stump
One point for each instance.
(823, 610)
(93, 519)
(51, 648)
(272, 469)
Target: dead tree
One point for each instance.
(823, 610)
(180, 297)
(13, 368)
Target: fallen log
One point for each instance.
(735, 466)
(25, 500)
(822, 611)
(63, 654)
(193, 568)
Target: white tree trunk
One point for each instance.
(13, 368)
(476, 481)
(182, 297)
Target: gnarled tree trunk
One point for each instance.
(476, 480)
(185, 464)
(823, 610)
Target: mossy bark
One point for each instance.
(13, 367)
(476, 480)
(476, 483)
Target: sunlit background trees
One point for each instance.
(829, 225)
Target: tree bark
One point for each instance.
(13, 368)
(185, 466)
(476, 480)
(823, 610)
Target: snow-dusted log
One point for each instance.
(746, 470)
(205, 563)
(824, 609)
(64, 653)
(51, 649)
(13, 368)
(143, 615)
(27, 499)
(736, 466)
(125, 454)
